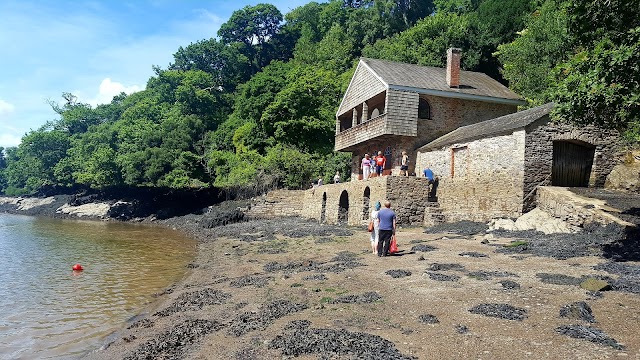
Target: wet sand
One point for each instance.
(284, 288)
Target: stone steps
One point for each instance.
(433, 214)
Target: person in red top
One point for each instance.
(381, 161)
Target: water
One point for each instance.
(48, 311)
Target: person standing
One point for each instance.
(366, 169)
(404, 164)
(387, 228)
(428, 173)
(376, 227)
(336, 177)
(381, 162)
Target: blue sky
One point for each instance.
(93, 49)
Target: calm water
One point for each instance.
(49, 312)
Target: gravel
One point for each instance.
(502, 311)
(301, 340)
(366, 298)
(464, 228)
(579, 310)
(398, 273)
(174, 343)
(589, 333)
(442, 277)
(268, 313)
(196, 300)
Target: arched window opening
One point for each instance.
(365, 203)
(424, 109)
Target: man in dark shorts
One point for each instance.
(387, 228)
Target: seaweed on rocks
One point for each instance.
(464, 228)
(195, 301)
(144, 323)
(398, 273)
(265, 316)
(592, 240)
(442, 277)
(428, 319)
(251, 280)
(473, 254)
(589, 333)
(509, 285)
(174, 343)
(502, 311)
(488, 275)
(446, 267)
(316, 277)
(293, 266)
(366, 298)
(558, 279)
(629, 276)
(423, 248)
(299, 340)
(579, 310)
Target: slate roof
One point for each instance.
(502, 125)
(434, 78)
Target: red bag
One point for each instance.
(393, 248)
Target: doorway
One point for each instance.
(343, 208)
(572, 162)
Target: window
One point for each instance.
(424, 109)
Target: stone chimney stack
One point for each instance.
(453, 67)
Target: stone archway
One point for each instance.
(572, 162)
(323, 214)
(343, 208)
(366, 201)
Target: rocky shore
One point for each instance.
(293, 288)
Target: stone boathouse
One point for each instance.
(489, 158)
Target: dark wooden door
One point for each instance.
(571, 164)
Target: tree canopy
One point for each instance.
(253, 107)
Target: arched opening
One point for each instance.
(424, 109)
(343, 208)
(572, 161)
(323, 213)
(366, 201)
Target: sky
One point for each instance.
(93, 49)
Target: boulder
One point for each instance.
(625, 176)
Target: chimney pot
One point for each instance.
(453, 67)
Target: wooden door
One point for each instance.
(571, 163)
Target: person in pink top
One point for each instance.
(366, 168)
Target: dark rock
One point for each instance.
(144, 323)
(488, 275)
(558, 279)
(589, 333)
(398, 273)
(268, 313)
(578, 311)
(628, 276)
(251, 280)
(473, 254)
(461, 329)
(316, 277)
(503, 311)
(464, 228)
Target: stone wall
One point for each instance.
(480, 179)
(408, 196)
(539, 153)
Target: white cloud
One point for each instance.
(108, 89)
(8, 140)
(5, 108)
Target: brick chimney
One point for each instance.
(453, 67)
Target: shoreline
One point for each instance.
(263, 289)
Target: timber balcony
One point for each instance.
(360, 133)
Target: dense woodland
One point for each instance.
(253, 107)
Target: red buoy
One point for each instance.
(77, 267)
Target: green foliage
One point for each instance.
(530, 58)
